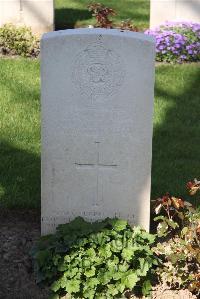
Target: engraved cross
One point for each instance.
(97, 166)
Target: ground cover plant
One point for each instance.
(71, 14)
(107, 259)
(18, 41)
(178, 241)
(110, 259)
(177, 41)
(176, 135)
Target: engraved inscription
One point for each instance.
(98, 71)
(98, 166)
(50, 223)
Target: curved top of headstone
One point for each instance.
(98, 31)
(97, 107)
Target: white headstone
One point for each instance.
(97, 106)
(174, 10)
(37, 14)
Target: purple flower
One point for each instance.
(178, 39)
(183, 56)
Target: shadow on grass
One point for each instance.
(135, 10)
(66, 18)
(20, 182)
(176, 140)
(19, 140)
(138, 13)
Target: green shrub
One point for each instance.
(105, 259)
(18, 41)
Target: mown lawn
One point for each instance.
(176, 140)
(176, 137)
(74, 13)
(19, 133)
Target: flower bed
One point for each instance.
(177, 41)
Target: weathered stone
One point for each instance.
(97, 105)
(37, 14)
(174, 10)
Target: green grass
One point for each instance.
(176, 140)
(20, 133)
(176, 137)
(74, 13)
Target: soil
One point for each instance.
(19, 230)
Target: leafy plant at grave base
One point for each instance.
(177, 41)
(105, 259)
(18, 41)
(103, 14)
(178, 242)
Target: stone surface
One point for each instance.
(174, 10)
(97, 106)
(37, 14)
